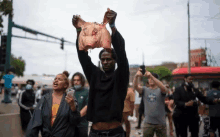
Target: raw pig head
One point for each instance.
(93, 35)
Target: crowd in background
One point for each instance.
(110, 100)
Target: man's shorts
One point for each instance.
(150, 129)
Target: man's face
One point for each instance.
(76, 80)
(108, 63)
(151, 82)
(189, 79)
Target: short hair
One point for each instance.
(114, 56)
(38, 87)
(215, 84)
(30, 80)
(187, 75)
(155, 75)
(82, 78)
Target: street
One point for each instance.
(14, 108)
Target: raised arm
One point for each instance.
(84, 59)
(204, 99)
(119, 47)
(162, 87)
(135, 82)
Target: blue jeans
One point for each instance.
(116, 132)
(7, 95)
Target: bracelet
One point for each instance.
(112, 25)
(78, 30)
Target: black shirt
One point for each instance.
(107, 93)
(183, 95)
(27, 99)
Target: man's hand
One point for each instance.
(189, 103)
(110, 16)
(139, 73)
(131, 113)
(147, 74)
(75, 21)
(31, 108)
(70, 100)
(216, 100)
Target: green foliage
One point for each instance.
(5, 9)
(18, 64)
(162, 71)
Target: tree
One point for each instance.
(163, 72)
(18, 64)
(5, 9)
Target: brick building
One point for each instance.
(198, 59)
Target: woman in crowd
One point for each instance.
(56, 115)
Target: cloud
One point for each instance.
(157, 28)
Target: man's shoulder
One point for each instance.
(85, 90)
(179, 89)
(211, 92)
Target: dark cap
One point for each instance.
(31, 80)
(155, 75)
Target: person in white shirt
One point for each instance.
(38, 94)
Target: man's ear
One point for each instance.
(80, 22)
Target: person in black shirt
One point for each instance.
(186, 111)
(141, 113)
(26, 102)
(108, 88)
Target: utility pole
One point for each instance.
(8, 47)
(189, 56)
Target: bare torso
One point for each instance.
(106, 125)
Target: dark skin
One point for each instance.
(189, 79)
(108, 63)
(109, 67)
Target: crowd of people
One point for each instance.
(108, 102)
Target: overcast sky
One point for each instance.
(157, 28)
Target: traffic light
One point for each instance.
(62, 44)
(3, 49)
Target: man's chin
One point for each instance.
(106, 69)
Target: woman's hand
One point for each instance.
(70, 100)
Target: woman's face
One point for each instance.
(59, 83)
